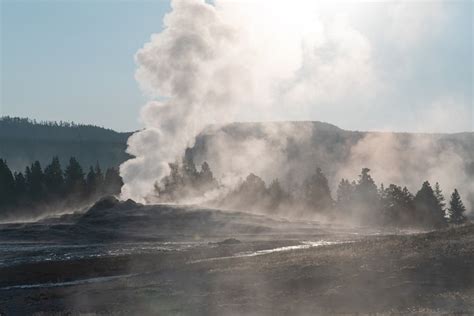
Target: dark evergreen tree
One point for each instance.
(53, 178)
(428, 210)
(171, 185)
(7, 185)
(99, 179)
(409, 199)
(206, 180)
(345, 196)
(456, 209)
(205, 174)
(316, 192)
(184, 181)
(277, 195)
(28, 180)
(190, 173)
(382, 191)
(397, 206)
(74, 178)
(113, 181)
(20, 187)
(36, 185)
(366, 198)
(91, 183)
(251, 194)
(366, 188)
(253, 185)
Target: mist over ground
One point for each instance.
(127, 258)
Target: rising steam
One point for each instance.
(266, 60)
(219, 62)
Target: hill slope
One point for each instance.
(23, 141)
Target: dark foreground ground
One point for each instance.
(430, 273)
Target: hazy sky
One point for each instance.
(74, 61)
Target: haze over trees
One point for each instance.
(185, 181)
(316, 192)
(27, 193)
(301, 145)
(290, 151)
(36, 191)
(60, 179)
(357, 202)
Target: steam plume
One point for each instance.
(236, 60)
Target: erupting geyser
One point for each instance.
(218, 62)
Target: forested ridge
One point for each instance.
(23, 141)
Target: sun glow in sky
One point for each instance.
(396, 65)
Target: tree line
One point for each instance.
(27, 121)
(24, 128)
(359, 201)
(36, 190)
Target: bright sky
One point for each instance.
(74, 61)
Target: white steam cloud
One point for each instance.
(215, 63)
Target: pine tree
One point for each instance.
(91, 182)
(366, 198)
(316, 192)
(254, 184)
(397, 206)
(53, 178)
(439, 196)
(456, 209)
(74, 178)
(345, 197)
(28, 180)
(276, 195)
(36, 182)
(428, 210)
(20, 187)
(250, 194)
(205, 180)
(205, 174)
(171, 185)
(382, 191)
(366, 186)
(113, 181)
(99, 178)
(189, 171)
(7, 185)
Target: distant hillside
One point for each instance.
(296, 146)
(23, 141)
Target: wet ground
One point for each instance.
(307, 269)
